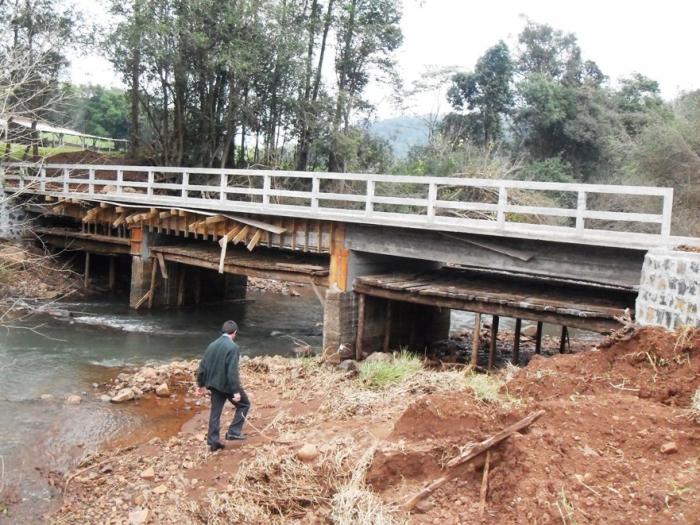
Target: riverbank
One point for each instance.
(617, 444)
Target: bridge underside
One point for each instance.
(501, 295)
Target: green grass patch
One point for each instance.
(489, 389)
(381, 374)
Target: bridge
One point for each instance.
(388, 256)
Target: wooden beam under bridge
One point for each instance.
(448, 289)
(246, 263)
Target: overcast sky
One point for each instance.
(658, 39)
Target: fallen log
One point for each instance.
(470, 454)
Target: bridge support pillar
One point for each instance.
(402, 324)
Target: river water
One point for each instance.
(38, 436)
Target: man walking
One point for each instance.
(218, 372)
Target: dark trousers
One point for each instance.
(218, 400)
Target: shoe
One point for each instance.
(216, 446)
(235, 437)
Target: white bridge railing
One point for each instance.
(494, 207)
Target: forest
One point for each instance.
(284, 84)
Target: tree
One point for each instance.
(368, 32)
(102, 112)
(485, 93)
(638, 100)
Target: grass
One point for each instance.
(566, 509)
(382, 374)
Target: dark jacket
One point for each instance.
(219, 367)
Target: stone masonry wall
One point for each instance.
(669, 292)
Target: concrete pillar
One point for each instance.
(338, 320)
(141, 269)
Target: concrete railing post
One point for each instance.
(151, 178)
(369, 200)
(666, 214)
(185, 183)
(502, 203)
(223, 183)
(266, 190)
(315, 190)
(432, 197)
(91, 180)
(580, 211)
(120, 180)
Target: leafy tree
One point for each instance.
(638, 101)
(102, 112)
(485, 93)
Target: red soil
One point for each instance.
(594, 457)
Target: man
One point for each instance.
(218, 372)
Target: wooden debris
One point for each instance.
(484, 485)
(470, 454)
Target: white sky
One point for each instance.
(658, 39)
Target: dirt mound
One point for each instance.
(655, 364)
(615, 445)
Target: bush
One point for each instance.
(381, 374)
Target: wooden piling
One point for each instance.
(181, 285)
(494, 339)
(476, 339)
(152, 289)
(387, 327)
(516, 342)
(86, 275)
(112, 273)
(538, 338)
(564, 338)
(360, 327)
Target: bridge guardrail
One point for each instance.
(434, 203)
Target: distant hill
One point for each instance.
(402, 132)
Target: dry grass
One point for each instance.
(356, 504)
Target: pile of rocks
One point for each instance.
(134, 385)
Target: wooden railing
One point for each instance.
(494, 207)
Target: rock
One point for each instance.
(105, 398)
(187, 465)
(162, 390)
(160, 489)
(669, 448)
(47, 397)
(379, 357)
(307, 453)
(349, 365)
(138, 516)
(73, 400)
(138, 393)
(149, 473)
(529, 331)
(590, 452)
(125, 394)
(423, 507)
